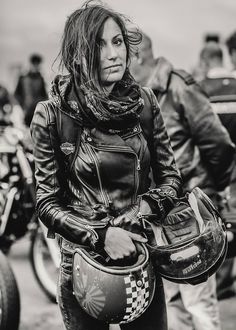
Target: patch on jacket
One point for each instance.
(67, 148)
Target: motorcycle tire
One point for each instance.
(43, 267)
(9, 296)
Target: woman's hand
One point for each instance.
(119, 243)
(129, 219)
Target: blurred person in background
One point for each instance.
(220, 85)
(231, 45)
(31, 88)
(199, 71)
(204, 154)
(6, 107)
(11, 114)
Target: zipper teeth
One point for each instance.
(93, 156)
(138, 167)
(96, 224)
(115, 148)
(137, 181)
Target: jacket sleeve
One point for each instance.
(166, 176)
(216, 148)
(50, 200)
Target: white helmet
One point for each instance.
(113, 294)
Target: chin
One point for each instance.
(112, 79)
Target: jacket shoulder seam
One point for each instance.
(50, 115)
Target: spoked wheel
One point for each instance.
(9, 297)
(44, 265)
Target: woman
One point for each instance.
(92, 192)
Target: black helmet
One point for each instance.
(113, 294)
(197, 253)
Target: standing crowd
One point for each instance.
(121, 138)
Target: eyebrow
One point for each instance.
(117, 35)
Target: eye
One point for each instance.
(118, 41)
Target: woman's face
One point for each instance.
(113, 54)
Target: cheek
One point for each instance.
(101, 59)
(124, 54)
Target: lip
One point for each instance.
(112, 66)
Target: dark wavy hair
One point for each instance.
(80, 49)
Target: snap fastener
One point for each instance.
(139, 283)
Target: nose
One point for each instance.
(111, 52)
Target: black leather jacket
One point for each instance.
(107, 173)
(203, 150)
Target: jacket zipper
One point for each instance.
(126, 150)
(83, 226)
(94, 158)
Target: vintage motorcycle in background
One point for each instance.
(17, 219)
(9, 296)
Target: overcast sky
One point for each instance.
(175, 26)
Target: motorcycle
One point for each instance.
(17, 208)
(9, 296)
(45, 260)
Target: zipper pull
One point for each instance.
(138, 166)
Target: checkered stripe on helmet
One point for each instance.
(137, 296)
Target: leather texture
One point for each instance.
(106, 175)
(203, 150)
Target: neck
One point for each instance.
(108, 88)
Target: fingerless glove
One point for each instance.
(161, 201)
